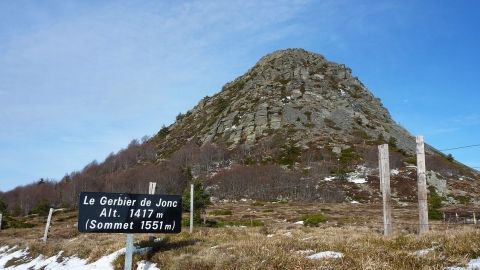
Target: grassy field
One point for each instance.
(274, 241)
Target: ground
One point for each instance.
(265, 235)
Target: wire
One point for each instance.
(460, 147)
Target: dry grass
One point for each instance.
(352, 230)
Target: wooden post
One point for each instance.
(422, 186)
(47, 227)
(1, 217)
(474, 219)
(129, 252)
(384, 171)
(191, 208)
(151, 191)
(443, 217)
(456, 217)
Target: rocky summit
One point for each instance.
(319, 101)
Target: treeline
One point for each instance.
(274, 169)
(129, 170)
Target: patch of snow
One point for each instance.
(394, 172)
(423, 252)
(299, 222)
(342, 93)
(354, 202)
(472, 265)
(330, 178)
(326, 255)
(357, 180)
(58, 262)
(144, 265)
(270, 235)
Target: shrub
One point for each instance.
(392, 143)
(289, 155)
(42, 208)
(201, 199)
(313, 220)
(434, 203)
(163, 132)
(10, 222)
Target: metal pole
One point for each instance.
(129, 252)
(422, 186)
(384, 169)
(151, 191)
(191, 208)
(47, 227)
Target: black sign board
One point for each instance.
(101, 212)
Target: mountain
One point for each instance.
(318, 101)
(294, 127)
(312, 111)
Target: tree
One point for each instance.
(392, 142)
(450, 157)
(3, 206)
(42, 208)
(201, 199)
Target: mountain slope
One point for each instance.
(319, 101)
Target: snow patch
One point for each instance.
(299, 222)
(144, 265)
(423, 252)
(326, 255)
(472, 265)
(58, 262)
(328, 179)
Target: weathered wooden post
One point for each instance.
(47, 227)
(474, 219)
(384, 173)
(422, 186)
(191, 208)
(151, 190)
(1, 217)
(129, 252)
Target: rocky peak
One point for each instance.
(317, 101)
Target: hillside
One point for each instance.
(294, 127)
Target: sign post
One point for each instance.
(1, 217)
(151, 190)
(101, 212)
(422, 186)
(191, 208)
(384, 172)
(47, 227)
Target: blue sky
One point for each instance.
(80, 79)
